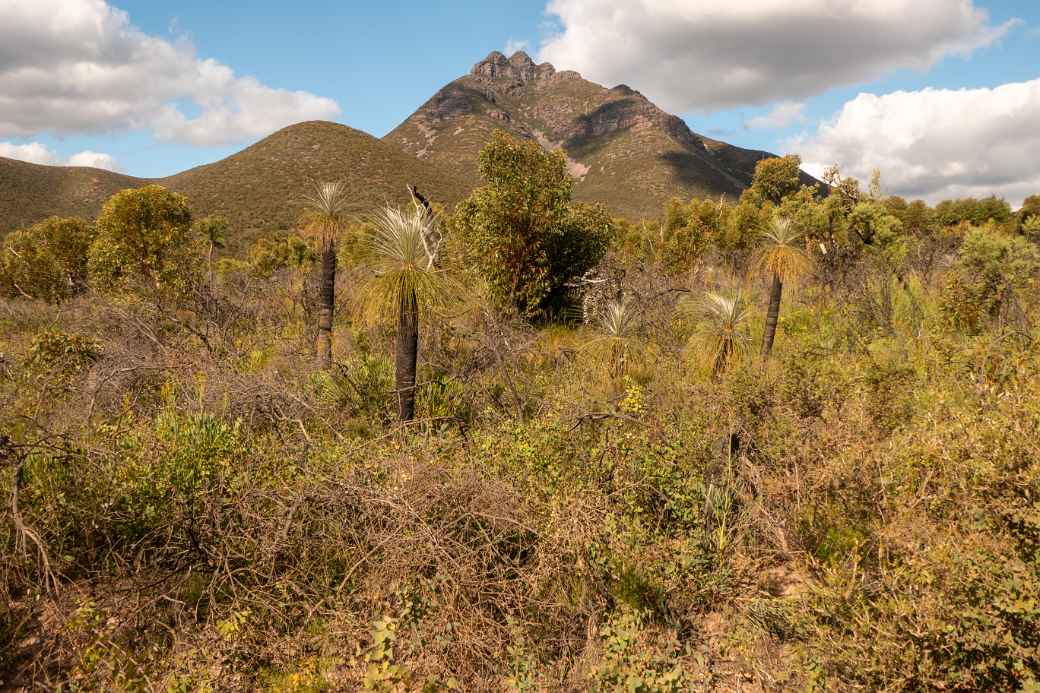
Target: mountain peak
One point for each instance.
(517, 68)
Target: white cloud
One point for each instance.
(713, 54)
(512, 46)
(80, 66)
(784, 114)
(936, 143)
(94, 160)
(36, 153)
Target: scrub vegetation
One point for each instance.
(789, 441)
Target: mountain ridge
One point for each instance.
(622, 150)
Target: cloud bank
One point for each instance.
(936, 143)
(36, 153)
(714, 54)
(80, 66)
(784, 114)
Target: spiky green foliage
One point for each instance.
(401, 253)
(782, 253)
(325, 211)
(617, 341)
(722, 328)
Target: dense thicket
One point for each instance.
(630, 499)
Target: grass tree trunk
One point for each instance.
(327, 304)
(772, 316)
(407, 356)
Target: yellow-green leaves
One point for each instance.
(46, 261)
(145, 242)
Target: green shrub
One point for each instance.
(521, 231)
(145, 241)
(48, 260)
(991, 271)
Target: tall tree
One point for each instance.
(775, 178)
(403, 250)
(325, 219)
(48, 260)
(521, 231)
(784, 260)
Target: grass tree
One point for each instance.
(784, 260)
(615, 349)
(213, 230)
(325, 217)
(403, 251)
(723, 326)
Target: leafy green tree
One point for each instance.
(1029, 217)
(403, 252)
(775, 178)
(269, 255)
(145, 240)
(1031, 228)
(690, 229)
(47, 260)
(326, 219)
(783, 259)
(973, 211)
(521, 231)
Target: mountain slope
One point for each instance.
(30, 192)
(259, 188)
(623, 150)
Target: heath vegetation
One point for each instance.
(789, 440)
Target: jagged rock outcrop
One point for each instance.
(621, 148)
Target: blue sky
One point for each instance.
(379, 61)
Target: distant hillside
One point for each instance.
(623, 150)
(259, 188)
(30, 192)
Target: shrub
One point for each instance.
(145, 241)
(522, 232)
(48, 260)
(990, 271)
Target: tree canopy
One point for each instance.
(522, 232)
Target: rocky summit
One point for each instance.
(622, 149)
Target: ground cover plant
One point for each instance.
(630, 462)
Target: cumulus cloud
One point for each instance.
(935, 143)
(784, 114)
(714, 54)
(80, 66)
(36, 153)
(93, 159)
